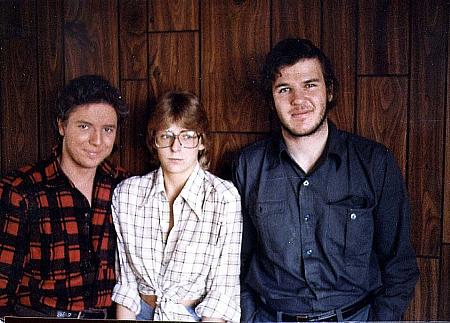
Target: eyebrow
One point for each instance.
(90, 123)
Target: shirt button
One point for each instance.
(353, 216)
(309, 252)
(306, 217)
(306, 183)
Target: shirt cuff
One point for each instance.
(220, 306)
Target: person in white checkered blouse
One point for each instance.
(178, 227)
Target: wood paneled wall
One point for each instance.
(391, 58)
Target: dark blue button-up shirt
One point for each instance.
(317, 241)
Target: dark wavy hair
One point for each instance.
(184, 108)
(288, 52)
(89, 89)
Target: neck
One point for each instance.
(306, 150)
(82, 178)
(173, 184)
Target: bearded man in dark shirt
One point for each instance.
(326, 232)
(57, 239)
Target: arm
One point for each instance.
(13, 244)
(396, 257)
(248, 306)
(125, 292)
(221, 302)
(123, 313)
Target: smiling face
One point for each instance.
(88, 136)
(300, 97)
(176, 159)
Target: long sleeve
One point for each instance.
(13, 244)
(222, 299)
(125, 291)
(399, 272)
(248, 244)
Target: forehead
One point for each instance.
(101, 113)
(308, 68)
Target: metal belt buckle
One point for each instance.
(302, 317)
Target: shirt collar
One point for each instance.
(335, 147)
(194, 191)
(55, 174)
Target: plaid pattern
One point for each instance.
(52, 241)
(199, 259)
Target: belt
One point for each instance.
(151, 300)
(330, 316)
(94, 313)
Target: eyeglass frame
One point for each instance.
(174, 136)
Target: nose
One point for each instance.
(176, 144)
(95, 138)
(297, 97)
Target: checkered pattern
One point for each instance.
(199, 259)
(50, 236)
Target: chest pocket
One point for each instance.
(350, 232)
(272, 222)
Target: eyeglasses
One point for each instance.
(186, 138)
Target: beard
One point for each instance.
(292, 132)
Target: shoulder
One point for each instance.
(136, 182)
(221, 187)
(116, 172)
(25, 176)
(365, 147)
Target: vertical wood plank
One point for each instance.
(173, 15)
(136, 156)
(383, 38)
(50, 67)
(17, 19)
(426, 131)
(91, 39)
(446, 231)
(223, 147)
(18, 95)
(133, 39)
(235, 39)
(381, 99)
(297, 19)
(424, 305)
(444, 297)
(339, 44)
(174, 62)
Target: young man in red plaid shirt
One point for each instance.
(57, 240)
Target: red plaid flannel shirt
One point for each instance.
(55, 249)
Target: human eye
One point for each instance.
(109, 129)
(310, 85)
(189, 135)
(83, 126)
(283, 89)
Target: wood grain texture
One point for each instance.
(444, 285)
(383, 37)
(50, 67)
(91, 39)
(339, 44)
(424, 305)
(173, 15)
(135, 154)
(446, 229)
(298, 19)
(426, 131)
(224, 146)
(133, 39)
(381, 99)
(235, 39)
(18, 95)
(17, 19)
(174, 62)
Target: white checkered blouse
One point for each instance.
(199, 259)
